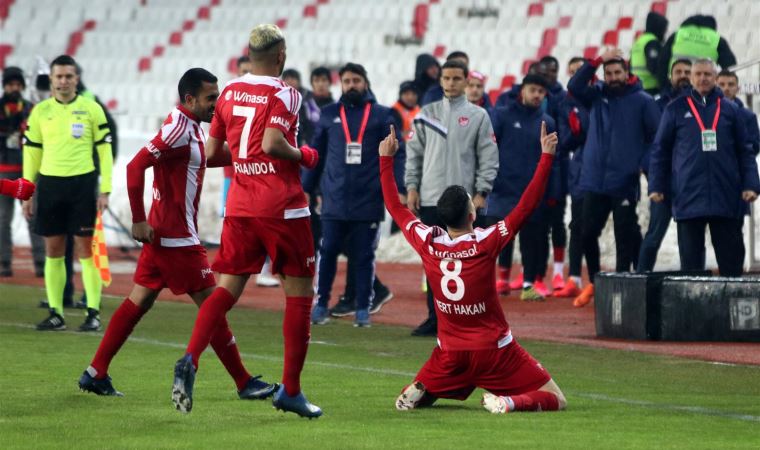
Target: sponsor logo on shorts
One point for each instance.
(206, 271)
(277, 120)
(311, 260)
(254, 168)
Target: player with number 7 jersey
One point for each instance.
(475, 345)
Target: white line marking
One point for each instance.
(698, 410)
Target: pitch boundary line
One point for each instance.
(698, 410)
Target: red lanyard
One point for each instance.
(699, 119)
(344, 122)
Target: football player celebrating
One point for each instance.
(172, 254)
(475, 345)
(267, 214)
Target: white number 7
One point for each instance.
(247, 112)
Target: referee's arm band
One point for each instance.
(103, 126)
(31, 143)
(107, 139)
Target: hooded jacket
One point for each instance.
(352, 191)
(453, 143)
(518, 130)
(572, 126)
(750, 120)
(422, 81)
(705, 183)
(621, 130)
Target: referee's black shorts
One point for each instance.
(66, 205)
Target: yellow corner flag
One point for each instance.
(100, 252)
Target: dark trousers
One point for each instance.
(361, 239)
(557, 224)
(596, 211)
(727, 241)
(534, 245)
(575, 249)
(659, 220)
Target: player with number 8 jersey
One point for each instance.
(475, 345)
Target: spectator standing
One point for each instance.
(427, 73)
(435, 92)
(320, 80)
(645, 52)
(476, 90)
(406, 108)
(702, 150)
(347, 139)
(453, 143)
(518, 130)
(60, 149)
(14, 111)
(696, 38)
(573, 124)
(728, 82)
(512, 94)
(623, 124)
(308, 116)
(660, 212)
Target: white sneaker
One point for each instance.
(265, 280)
(494, 403)
(410, 396)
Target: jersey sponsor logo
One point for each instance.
(206, 271)
(503, 228)
(79, 113)
(277, 120)
(153, 150)
(254, 168)
(464, 121)
(461, 310)
(472, 251)
(244, 97)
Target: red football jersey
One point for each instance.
(262, 186)
(178, 159)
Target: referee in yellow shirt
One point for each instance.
(58, 143)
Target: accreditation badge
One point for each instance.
(353, 153)
(77, 130)
(709, 141)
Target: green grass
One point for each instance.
(616, 399)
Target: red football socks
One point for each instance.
(559, 254)
(296, 328)
(536, 401)
(223, 343)
(210, 316)
(504, 273)
(119, 328)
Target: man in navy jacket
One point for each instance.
(347, 137)
(702, 151)
(517, 128)
(623, 124)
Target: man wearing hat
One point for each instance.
(406, 107)
(517, 128)
(623, 124)
(14, 110)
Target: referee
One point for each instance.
(58, 143)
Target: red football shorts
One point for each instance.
(246, 242)
(182, 269)
(508, 370)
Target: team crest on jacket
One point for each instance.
(463, 121)
(410, 135)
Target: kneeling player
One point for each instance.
(475, 346)
(172, 254)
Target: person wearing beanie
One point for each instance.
(406, 107)
(476, 90)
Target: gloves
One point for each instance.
(309, 157)
(574, 122)
(21, 189)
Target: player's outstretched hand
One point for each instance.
(21, 188)
(548, 141)
(389, 145)
(309, 157)
(142, 232)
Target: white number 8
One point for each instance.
(452, 275)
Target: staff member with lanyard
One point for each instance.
(712, 170)
(347, 138)
(58, 143)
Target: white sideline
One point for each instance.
(589, 395)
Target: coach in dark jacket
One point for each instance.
(623, 124)
(517, 128)
(702, 150)
(352, 200)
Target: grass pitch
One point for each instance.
(616, 399)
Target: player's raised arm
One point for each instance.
(535, 191)
(388, 148)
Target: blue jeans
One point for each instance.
(659, 220)
(361, 242)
